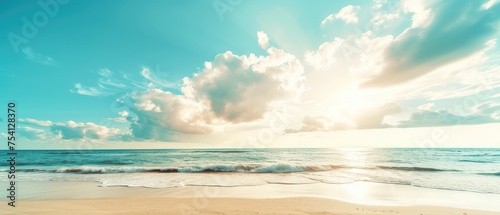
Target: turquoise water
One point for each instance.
(474, 170)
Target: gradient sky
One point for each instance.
(161, 74)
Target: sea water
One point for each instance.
(464, 169)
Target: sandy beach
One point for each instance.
(87, 198)
(219, 206)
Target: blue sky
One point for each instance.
(128, 74)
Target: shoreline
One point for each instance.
(55, 197)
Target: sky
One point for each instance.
(241, 73)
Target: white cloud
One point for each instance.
(89, 91)
(422, 14)
(31, 133)
(489, 3)
(426, 107)
(488, 108)
(31, 55)
(155, 80)
(326, 55)
(122, 118)
(123, 113)
(321, 123)
(168, 114)
(263, 39)
(347, 14)
(426, 46)
(373, 117)
(427, 118)
(35, 122)
(366, 118)
(109, 83)
(78, 130)
(231, 89)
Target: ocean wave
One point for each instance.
(474, 161)
(250, 168)
(238, 168)
(417, 169)
(490, 173)
(221, 151)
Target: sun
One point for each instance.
(355, 101)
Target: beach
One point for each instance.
(255, 181)
(359, 198)
(223, 206)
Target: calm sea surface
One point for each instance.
(474, 170)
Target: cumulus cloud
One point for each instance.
(347, 14)
(29, 121)
(368, 118)
(78, 130)
(437, 38)
(31, 133)
(385, 13)
(122, 118)
(231, 89)
(263, 39)
(427, 118)
(320, 123)
(165, 114)
(373, 117)
(422, 15)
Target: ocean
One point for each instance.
(464, 169)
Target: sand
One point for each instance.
(220, 206)
(87, 198)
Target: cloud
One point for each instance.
(89, 91)
(160, 114)
(426, 107)
(110, 83)
(437, 39)
(29, 121)
(122, 118)
(326, 55)
(320, 123)
(155, 80)
(385, 13)
(347, 14)
(31, 55)
(373, 117)
(368, 118)
(77, 130)
(263, 39)
(231, 89)
(427, 118)
(489, 108)
(422, 15)
(31, 133)
(489, 3)
(255, 82)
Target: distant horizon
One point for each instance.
(354, 148)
